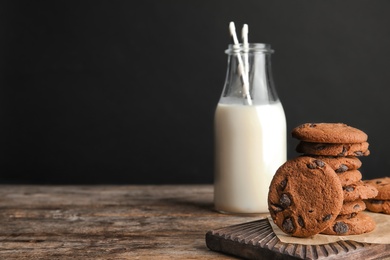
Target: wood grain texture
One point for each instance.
(256, 240)
(109, 222)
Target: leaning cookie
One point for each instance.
(329, 133)
(351, 225)
(305, 196)
(383, 187)
(328, 149)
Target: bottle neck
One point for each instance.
(249, 77)
(251, 47)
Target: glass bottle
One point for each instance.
(249, 130)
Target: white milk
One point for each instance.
(250, 143)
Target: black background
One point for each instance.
(125, 91)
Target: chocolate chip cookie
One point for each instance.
(359, 190)
(350, 207)
(383, 187)
(381, 202)
(378, 206)
(329, 133)
(330, 149)
(349, 177)
(305, 196)
(354, 224)
(341, 163)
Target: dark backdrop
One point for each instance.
(125, 91)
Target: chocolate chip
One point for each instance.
(349, 188)
(283, 184)
(359, 153)
(316, 164)
(319, 147)
(349, 216)
(311, 211)
(340, 228)
(378, 182)
(357, 206)
(352, 215)
(288, 225)
(343, 152)
(301, 222)
(312, 125)
(342, 168)
(276, 208)
(285, 201)
(319, 163)
(327, 217)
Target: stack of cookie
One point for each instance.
(339, 146)
(381, 203)
(322, 191)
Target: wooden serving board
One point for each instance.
(256, 240)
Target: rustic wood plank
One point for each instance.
(109, 222)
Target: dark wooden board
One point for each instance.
(256, 240)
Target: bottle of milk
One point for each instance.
(250, 132)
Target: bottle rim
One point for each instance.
(251, 47)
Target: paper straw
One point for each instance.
(241, 67)
(245, 42)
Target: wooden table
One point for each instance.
(109, 222)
